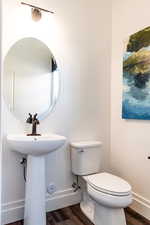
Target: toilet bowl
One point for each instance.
(105, 195)
(110, 201)
(110, 194)
(109, 190)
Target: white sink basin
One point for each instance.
(35, 145)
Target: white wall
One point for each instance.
(0, 113)
(130, 139)
(79, 35)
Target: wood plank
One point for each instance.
(78, 213)
(137, 216)
(132, 221)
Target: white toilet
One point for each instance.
(105, 196)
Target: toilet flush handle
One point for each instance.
(80, 150)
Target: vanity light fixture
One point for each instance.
(36, 14)
(36, 11)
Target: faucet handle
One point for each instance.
(35, 118)
(29, 119)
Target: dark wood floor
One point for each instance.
(73, 216)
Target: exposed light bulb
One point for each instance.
(36, 14)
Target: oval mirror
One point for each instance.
(31, 79)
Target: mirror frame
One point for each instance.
(51, 108)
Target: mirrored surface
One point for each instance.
(31, 79)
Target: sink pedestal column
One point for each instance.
(35, 208)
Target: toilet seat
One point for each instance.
(109, 200)
(109, 184)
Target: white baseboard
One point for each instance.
(14, 211)
(141, 205)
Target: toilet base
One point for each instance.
(100, 215)
(88, 210)
(110, 216)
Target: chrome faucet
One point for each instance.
(34, 121)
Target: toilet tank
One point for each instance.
(86, 157)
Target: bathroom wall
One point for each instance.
(130, 139)
(0, 111)
(79, 35)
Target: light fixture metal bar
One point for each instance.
(33, 6)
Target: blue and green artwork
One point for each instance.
(136, 76)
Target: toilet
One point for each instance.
(104, 195)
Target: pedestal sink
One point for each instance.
(36, 147)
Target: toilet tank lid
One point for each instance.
(85, 144)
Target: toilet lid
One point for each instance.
(109, 183)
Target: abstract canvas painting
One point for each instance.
(136, 76)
